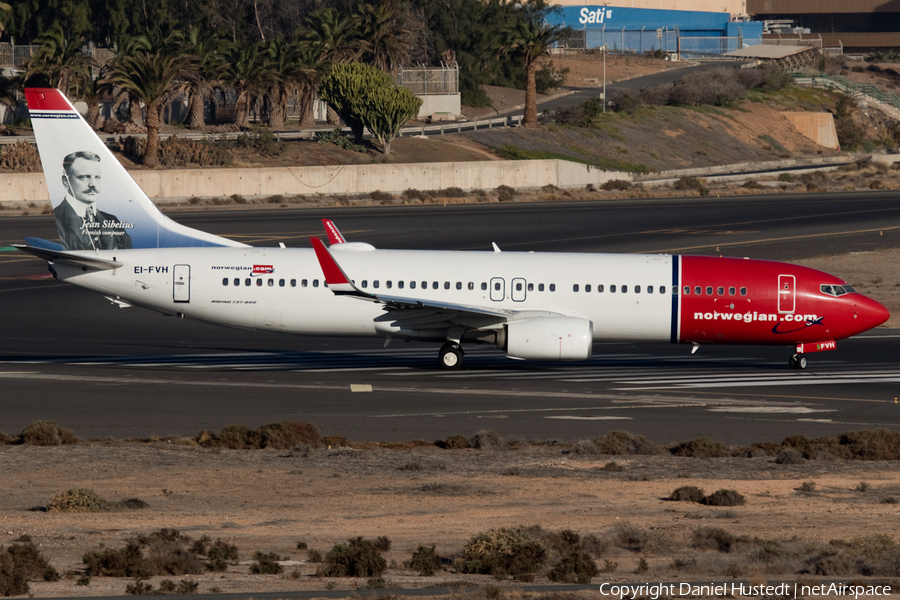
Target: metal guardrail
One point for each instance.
(842, 84)
(308, 134)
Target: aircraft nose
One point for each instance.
(868, 313)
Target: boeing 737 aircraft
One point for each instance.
(541, 306)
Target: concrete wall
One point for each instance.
(819, 127)
(735, 7)
(181, 184)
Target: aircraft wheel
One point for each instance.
(451, 356)
(798, 361)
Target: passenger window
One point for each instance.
(424, 285)
(637, 289)
(552, 287)
(497, 286)
(600, 288)
(530, 287)
(743, 291)
(303, 283)
(259, 283)
(518, 287)
(540, 287)
(650, 289)
(248, 281)
(375, 284)
(388, 284)
(400, 284)
(315, 283)
(624, 289)
(471, 286)
(365, 283)
(720, 291)
(587, 287)
(434, 285)
(575, 288)
(281, 283)
(237, 281)
(483, 286)
(612, 289)
(459, 285)
(412, 285)
(709, 290)
(687, 290)
(446, 285)
(698, 290)
(731, 291)
(293, 283)
(225, 281)
(271, 283)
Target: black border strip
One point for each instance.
(673, 338)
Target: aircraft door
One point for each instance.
(787, 293)
(518, 289)
(498, 289)
(181, 283)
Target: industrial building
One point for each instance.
(688, 33)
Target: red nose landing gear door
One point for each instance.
(787, 293)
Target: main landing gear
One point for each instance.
(451, 356)
(797, 361)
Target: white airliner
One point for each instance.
(541, 306)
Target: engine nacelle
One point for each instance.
(548, 338)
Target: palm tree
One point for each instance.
(386, 43)
(4, 7)
(333, 37)
(529, 37)
(309, 72)
(91, 89)
(204, 46)
(247, 69)
(130, 46)
(59, 57)
(153, 77)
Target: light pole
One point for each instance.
(605, 49)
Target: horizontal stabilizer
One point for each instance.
(42, 243)
(70, 258)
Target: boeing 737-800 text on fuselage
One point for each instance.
(541, 306)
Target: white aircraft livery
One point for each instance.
(541, 306)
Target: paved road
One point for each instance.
(68, 355)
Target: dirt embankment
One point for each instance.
(270, 500)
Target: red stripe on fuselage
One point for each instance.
(783, 303)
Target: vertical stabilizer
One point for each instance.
(97, 205)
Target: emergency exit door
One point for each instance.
(181, 283)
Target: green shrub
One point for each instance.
(713, 538)
(266, 563)
(127, 562)
(724, 498)
(21, 563)
(687, 493)
(576, 567)
(359, 557)
(426, 561)
(46, 433)
(139, 588)
(503, 552)
(168, 552)
(77, 500)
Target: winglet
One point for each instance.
(334, 234)
(335, 278)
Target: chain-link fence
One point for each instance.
(424, 81)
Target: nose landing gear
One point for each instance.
(797, 361)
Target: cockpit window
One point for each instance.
(836, 290)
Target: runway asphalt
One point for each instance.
(68, 355)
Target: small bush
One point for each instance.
(713, 538)
(413, 194)
(687, 493)
(688, 183)
(789, 456)
(425, 561)
(77, 500)
(575, 567)
(503, 552)
(266, 563)
(139, 588)
(505, 193)
(379, 196)
(702, 447)
(487, 440)
(862, 487)
(454, 442)
(724, 498)
(807, 487)
(616, 185)
(337, 137)
(623, 443)
(20, 156)
(46, 433)
(314, 556)
(359, 557)
(127, 562)
(280, 435)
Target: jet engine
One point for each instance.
(547, 338)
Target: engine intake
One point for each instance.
(548, 338)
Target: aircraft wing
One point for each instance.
(416, 313)
(69, 258)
